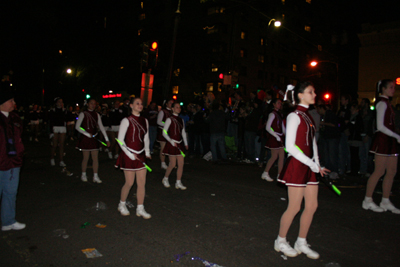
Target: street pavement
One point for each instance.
(228, 216)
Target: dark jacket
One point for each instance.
(217, 121)
(13, 127)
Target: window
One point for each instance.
(214, 69)
(261, 41)
(215, 10)
(283, 2)
(294, 67)
(219, 87)
(210, 87)
(307, 28)
(175, 89)
(261, 58)
(142, 16)
(283, 16)
(141, 5)
(212, 29)
(177, 72)
(243, 35)
(139, 31)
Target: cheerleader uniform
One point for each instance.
(175, 128)
(303, 162)
(275, 128)
(57, 119)
(134, 130)
(90, 121)
(385, 139)
(161, 119)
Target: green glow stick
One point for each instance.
(336, 189)
(104, 144)
(122, 144)
(183, 154)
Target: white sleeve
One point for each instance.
(315, 151)
(159, 118)
(103, 131)
(147, 141)
(293, 122)
(184, 136)
(268, 127)
(380, 118)
(283, 128)
(79, 123)
(123, 127)
(165, 131)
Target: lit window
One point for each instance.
(262, 41)
(177, 72)
(219, 87)
(241, 53)
(60, 52)
(142, 16)
(214, 69)
(242, 35)
(210, 87)
(294, 67)
(283, 2)
(307, 28)
(283, 16)
(175, 89)
(308, 1)
(139, 31)
(261, 58)
(141, 5)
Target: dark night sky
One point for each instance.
(33, 31)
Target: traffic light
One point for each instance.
(153, 54)
(144, 55)
(174, 97)
(236, 86)
(87, 96)
(221, 76)
(327, 97)
(154, 46)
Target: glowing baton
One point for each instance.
(183, 154)
(104, 144)
(130, 150)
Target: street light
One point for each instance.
(69, 71)
(277, 23)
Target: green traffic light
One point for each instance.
(87, 96)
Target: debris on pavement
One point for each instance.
(91, 253)
(99, 225)
(284, 257)
(85, 224)
(179, 256)
(206, 263)
(60, 232)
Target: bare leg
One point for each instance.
(171, 166)
(179, 171)
(295, 196)
(380, 166)
(281, 157)
(162, 156)
(85, 160)
(274, 156)
(141, 183)
(391, 169)
(95, 160)
(310, 206)
(129, 180)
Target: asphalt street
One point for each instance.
(228, 216)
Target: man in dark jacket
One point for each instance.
(11, 152)
(217, 121)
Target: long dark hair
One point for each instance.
(299, 88)
(379, 88)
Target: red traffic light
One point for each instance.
(398, 81)
(153, 46)
(327, 96)
(174, 97)
(221, 76)
(314, 63)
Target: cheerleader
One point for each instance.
(299, 172)
(384, 146)
(90, 121)
(134, 132)
(174, 133)
(163, 115)
(57, 121)
(275, 131)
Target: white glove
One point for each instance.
(398, 140)
(278, 139)
(314, 167)
(131, 156)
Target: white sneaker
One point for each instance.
(179, 185)
(164, 166)
(14, 226)
(265, 176)
(140, 212)
(110, 155)
(389, 207)
(62, 164)
(96, 179)
(165, 182)
(123, 209)
(285, 248)
(52, 162)
(116, 156)
(305, 248)
(84, 178)
(372, 206)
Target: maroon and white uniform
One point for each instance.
(385, 139)
(303, 162)
(90, 121)
(275, 130)
(134, 132)
(175, 128)
(163, 115)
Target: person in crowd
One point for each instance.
(162, 116)
(11, 155)
(174, 133)
(367, 115)
(235, 111)
(240, 122)
(275, 139)
(126, 110)
(134, 133)
(299, 172)
(34, 122)
(356, 131)
(71, 119)
(116, 115)
(329, 140)
(151, 114)
(89, 124)
(190, 129)
(250, 131)
(343, 121)
(385, 148)
(58, 126)
(198, 128)
(217, 124)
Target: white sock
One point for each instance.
(83, 173)
(139, 207)
(166, 178)
(385, 200)
(301, 240)
(122, 202)
(368, 199)
(281, 239)
(96, 175)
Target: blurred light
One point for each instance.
(313, 63)
(83, 90)
(373, 100)
(154, 46)
(69, 71)
(327, 96)
(174, 97)
(110, 91)
(87, 96)
(77, 104)
(181, 103)
(60, 51)
(221, 76)
(372, 107)
(237, 86)
(398, 81)
(277, 23)
(10, 84)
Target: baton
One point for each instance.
(331, 185)
(130, 150)
(183, 154)
(104, 144)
